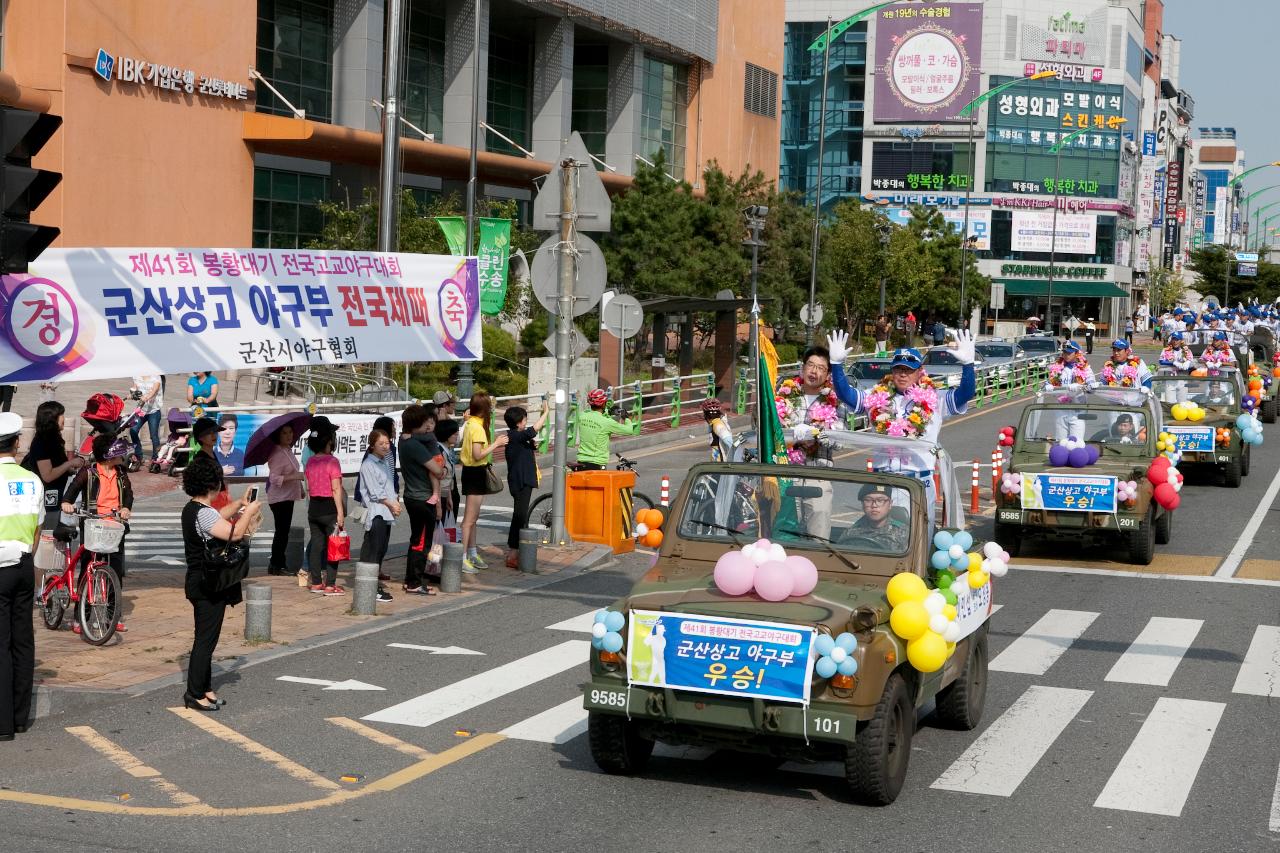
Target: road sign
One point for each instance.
(578, 343)
(593, 204)
(622, 316)
(1247, 257)
(997, 296)
(1246, 270)
(817, 314)
(588, 286)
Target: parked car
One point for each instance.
(866, 373)
(941, 363)
(1040, 346)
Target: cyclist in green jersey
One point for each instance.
(594, 430)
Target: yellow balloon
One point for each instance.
(1179, 412)
(975, 563)
(1197, 414)
(905, 586)
(977, 579)
(928, 652)
(949, 611)
(951, 647)
(909, 620)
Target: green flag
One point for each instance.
(491, 264)
(455, 232)
(773, 445)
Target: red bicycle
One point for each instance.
(94, 591)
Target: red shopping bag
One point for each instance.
(339, 546)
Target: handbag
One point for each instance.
(492, 485)
(339, 546)
(225, 563)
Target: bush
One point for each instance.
(500, 373)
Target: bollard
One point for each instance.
(973, 498)
(997, 463)
(293, 549)
(257, 612)
(451, 567)
(365, 602)
(664, 494)
(529, 542)
(870, 467)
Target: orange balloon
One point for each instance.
(655, 519)
(1275, 371)
(642, 517)
(1255, 384)
(652, 539)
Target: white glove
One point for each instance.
(838, 344)
(803, 433)
(964, 351)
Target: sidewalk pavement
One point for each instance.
(153, 652)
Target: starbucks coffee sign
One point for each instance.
(1077, 272)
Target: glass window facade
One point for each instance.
(1214, 180)
(295, 52)
(510, 73)
(663, 114)
(591, 95)
(920, 166)
(1002, 242)
(285, 212)
(422, 92)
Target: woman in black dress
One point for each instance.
(202, 481)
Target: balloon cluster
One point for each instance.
(953, 557)
(1223, 436)
(1249, 402)
(764, 566)
(1007, 434)
(1250, 428)
(606, 631)
(1010, 484)
(1127, 491)
(924, 619)
(1074, 453)
(649, 527)
(835, 655)
(1167, 443)
(1188, 411)
(1255, 387)
(1168, 482)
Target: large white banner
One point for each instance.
(1033, 232)
(107, 313)
(979, 223)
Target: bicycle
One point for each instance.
(95, 592)
(540, 510)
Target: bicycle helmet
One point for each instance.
(597, 398)
(711, 407)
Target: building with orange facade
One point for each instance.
(170, 137)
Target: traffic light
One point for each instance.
(22, 134)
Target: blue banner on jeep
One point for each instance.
(712, 654)
(1192, 439)
(1068, 493)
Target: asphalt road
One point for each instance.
(1126, 711)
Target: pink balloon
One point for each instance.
(734, 573)
(804, 575)
(762, 544)
(773, 581)
(1005, 557)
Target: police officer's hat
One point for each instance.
(872, 489)
(10, 425)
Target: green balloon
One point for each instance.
(949, 596)
(945, 579)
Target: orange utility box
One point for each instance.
(598, 508)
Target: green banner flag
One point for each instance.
(491, 265)
(455, 232)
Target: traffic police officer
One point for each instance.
(21, 512)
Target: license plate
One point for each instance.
(1127, 523)
(1010, 515)
(1224, 458)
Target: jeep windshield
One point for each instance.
(1210, 392)
(807, 513)
(1118, 428)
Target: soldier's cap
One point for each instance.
(909, 357)
(872, 489)
(1120, 343)
(1219, 336)
(10, 425)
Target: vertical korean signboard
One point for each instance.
(927, 58)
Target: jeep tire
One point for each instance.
(1245, 456)
(1009, 537)
(616, 747)
(875, 765)
(1164, 527)
(1232, 473)
(1269, 410)
(1142, 542)
(960, 703)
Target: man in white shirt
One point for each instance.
(147, 392)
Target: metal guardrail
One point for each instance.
(326, 384)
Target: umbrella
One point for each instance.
(263, 438)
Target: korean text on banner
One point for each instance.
(1193, 439)
(455, 233)
(495, 244)
(711, 654)
(1068, 493)
(104, 313)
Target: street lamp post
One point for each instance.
(1228, 230)
(1257, 215)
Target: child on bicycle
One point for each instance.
(104, 489)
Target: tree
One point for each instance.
(853, 261)
(1207, 263)
(939, 253)
(1164, 289)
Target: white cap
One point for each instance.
(10, 425)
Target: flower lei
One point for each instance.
(1126, 377)
(1077, 373)
(1169, 355)
(823, 414)
(922, 403)
(1215, 356)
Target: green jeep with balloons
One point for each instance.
(1086, 465)
(809, 618)
(1211, 421)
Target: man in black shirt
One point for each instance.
(419, 455)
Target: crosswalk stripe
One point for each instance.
(581, 623)
(560, 724)
(1043, 643)
(1153, 657)
(1157, 771)
(453, 699)
(1273, 823)
(1259, 675)
(1003, 755)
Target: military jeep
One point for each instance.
(1219, 395)
(1066, 503)
(860, 529)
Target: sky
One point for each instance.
(1220, 41)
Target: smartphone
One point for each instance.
(253, 494)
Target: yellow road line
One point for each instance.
(388, 783)
(233, 737)
(131, 764)
(381, 737)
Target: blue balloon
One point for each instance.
(597, 643)
(964, 540)
(848, 666)
(825, 667)
(601, 614)
(824, 644)
(1259, 441)
(942, 540)
(614, 620)
(940, 560)
(847, 641)
(1243, 421)
(961, 562)
(1248, 435)
(611, 642)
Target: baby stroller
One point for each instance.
(103, 413)
(174, 453)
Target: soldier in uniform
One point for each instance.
(877, 523)
(21, 511)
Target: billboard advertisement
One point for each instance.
(1070, 36)
(1033, 231)
(926, 60)
(979, 223)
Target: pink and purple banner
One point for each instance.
(927, 61)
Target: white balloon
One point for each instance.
(955, 552)
(760, 556)
(934, 602)
(992, 549)
(938, 623)
(960, 588)
(952, 633)
(777, 553)
(598, 630)
(838, 655)
(749, 551)
(642, 529)
(998, 568)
